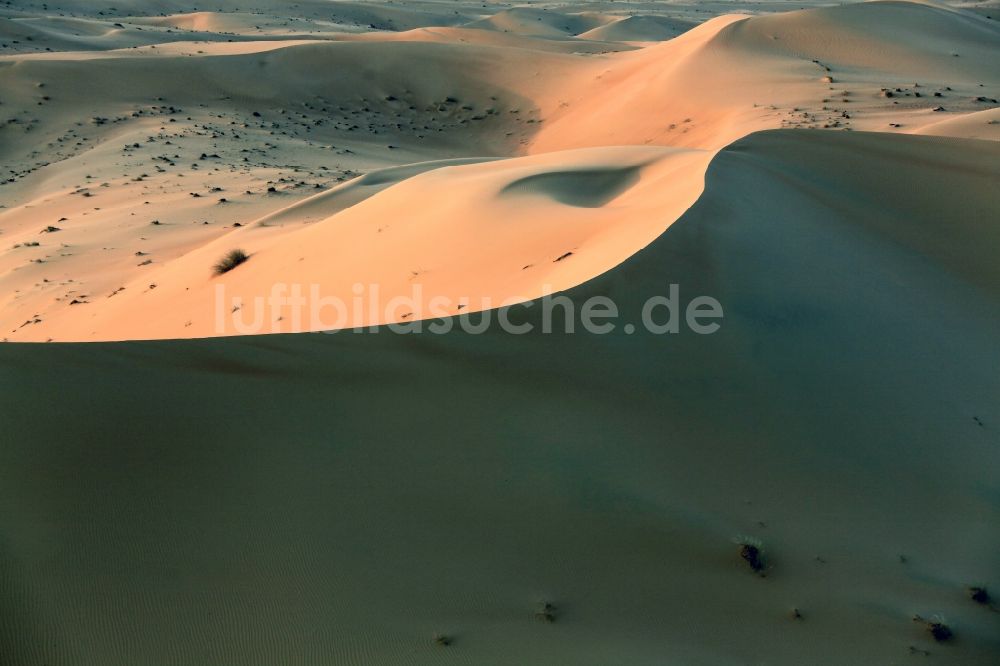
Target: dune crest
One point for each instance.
(532, 210)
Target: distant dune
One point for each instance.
(541, 22)
(638, 29)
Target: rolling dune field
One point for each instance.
(297, 369)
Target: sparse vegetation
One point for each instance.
(937, 628)
(546, 612)
(752, 551)
(979, 595)
(229, 261)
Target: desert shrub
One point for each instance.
(229, 261)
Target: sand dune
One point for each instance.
(199, 22)
(638, 29)
(541, 22)
(607, 475)
(599, 205)
(822, 68)
(181, 490)
(322, 119)
(467, 35)
(976, 125)
(304, 13)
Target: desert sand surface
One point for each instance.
(184, 482)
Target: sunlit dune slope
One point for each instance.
(485, 234)
(820, 68)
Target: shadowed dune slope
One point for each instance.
(188, 506)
